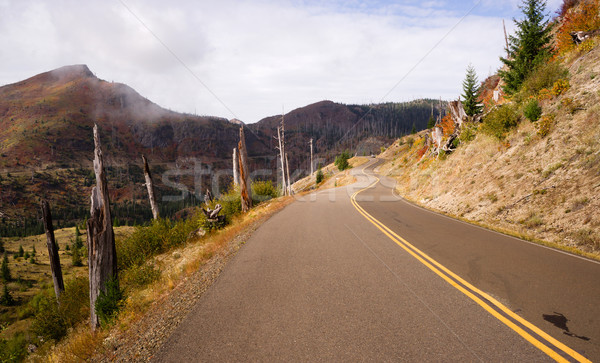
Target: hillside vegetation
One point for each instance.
(532, 166)
(46, 146)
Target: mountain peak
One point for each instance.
(76, 70)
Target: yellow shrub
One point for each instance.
(544, 125)
(561, 86)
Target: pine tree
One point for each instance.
(76, 257)
(21, 252)
(6, 299)
(431, 122)
(4, 270)
(471, 93)
(529, 47)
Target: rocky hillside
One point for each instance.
(540, 180)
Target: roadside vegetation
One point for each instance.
(531, 153)
(34, 322)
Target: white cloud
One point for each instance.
(258, 55)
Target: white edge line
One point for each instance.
(487, 229)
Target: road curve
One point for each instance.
(320, 282)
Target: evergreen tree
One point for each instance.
(471, 93)
(530, 46)
(4, 270)
(431, 122)
(6, 299)
(1, 246)
(78, 243)
(76, 257)
(414, 129)
(21, 252)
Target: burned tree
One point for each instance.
(59, 285)
(150, 187)
(236, 178)
(102, 254)
(245, 190)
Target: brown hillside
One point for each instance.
(536, 186)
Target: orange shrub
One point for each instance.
(583, 17)
(544, 94)
(447, 125)
(561, 86)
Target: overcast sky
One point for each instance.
(252, 59)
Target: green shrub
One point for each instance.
(341, 161)
(498, 122)
(109, 302)
(468, 134)
(319, 176)
(14, 349)
(48, 322)
(263, 191)
(543, 76)
(532, 110)
(52, 322)
(75, 301)
(140, 276)
(231, 202)
(144, 242)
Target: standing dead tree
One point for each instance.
(59, 285)
(282, 159)
(102, 254)
(245, 190)
(311, 157)
(150, 187)
(287, 168)
(236, 168)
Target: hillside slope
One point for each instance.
(46, 145)
(535, 186)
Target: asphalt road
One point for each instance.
(325, 280)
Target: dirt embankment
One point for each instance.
(542, 188)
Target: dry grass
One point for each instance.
(500, 184)
(175, 265)
(332, 177)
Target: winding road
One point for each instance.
(357, 274)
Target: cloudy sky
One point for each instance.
(252, 59)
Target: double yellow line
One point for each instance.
(541, 340)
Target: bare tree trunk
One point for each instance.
(102, 254)
(281, 156)
(289, 185)
(311, 157)
(236, 178)
(150, 187)
(59, 285)
(245, 191)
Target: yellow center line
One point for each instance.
(472, 292)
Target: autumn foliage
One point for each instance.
(584, 16)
